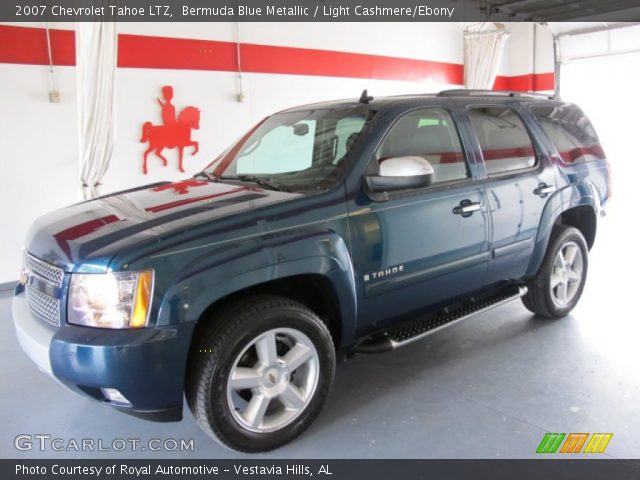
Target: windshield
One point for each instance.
(295, 150)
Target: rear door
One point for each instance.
(518, 178)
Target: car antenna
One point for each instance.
(365, 98)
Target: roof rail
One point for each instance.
(461, 92)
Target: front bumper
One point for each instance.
(146, 365)
(33, 335)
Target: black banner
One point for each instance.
(579, 469)
(304, 10)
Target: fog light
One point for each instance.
(115, 396)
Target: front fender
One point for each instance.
(571, 196)
(233, 267)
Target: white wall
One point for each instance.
(39, 154)
(518, 58)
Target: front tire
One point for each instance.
(559, 283)
(259, 373)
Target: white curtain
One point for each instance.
(483, 47)
(96, 57)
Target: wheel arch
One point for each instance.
(312, 267)
(583, 218)
(313, 290)
(574, 206)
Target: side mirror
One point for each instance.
(400, 173)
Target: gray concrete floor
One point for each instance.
(487, 388)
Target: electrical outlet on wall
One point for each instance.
(54, 96)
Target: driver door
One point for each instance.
(424, 246)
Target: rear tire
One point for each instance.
(259, 373)
(558, 285)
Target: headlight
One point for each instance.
(110, 300)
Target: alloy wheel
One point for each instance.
(566, 274)
(273, 380)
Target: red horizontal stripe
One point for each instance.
(27, 45)
(137, 51)
(531, 82)
(325, 63)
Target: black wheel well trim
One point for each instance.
(563, 216)
(313, 290)
(582, 217)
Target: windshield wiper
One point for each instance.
(210, 177)
(263, 182)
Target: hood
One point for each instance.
(91, 232)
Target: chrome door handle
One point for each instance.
(466, 208)
(543, 190)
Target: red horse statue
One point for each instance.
(171, 135)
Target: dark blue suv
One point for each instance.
(350, 226)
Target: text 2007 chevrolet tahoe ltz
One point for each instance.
(356, 225)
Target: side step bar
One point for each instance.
(409, 332)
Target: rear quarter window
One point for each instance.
(570, 131)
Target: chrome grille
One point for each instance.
(45, 307)
(48, 272)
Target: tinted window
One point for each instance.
(348, 131)
(280, 149)
(505, 142)
(296, 150)
(570, 131)
(430, 134)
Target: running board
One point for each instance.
(409, 332)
